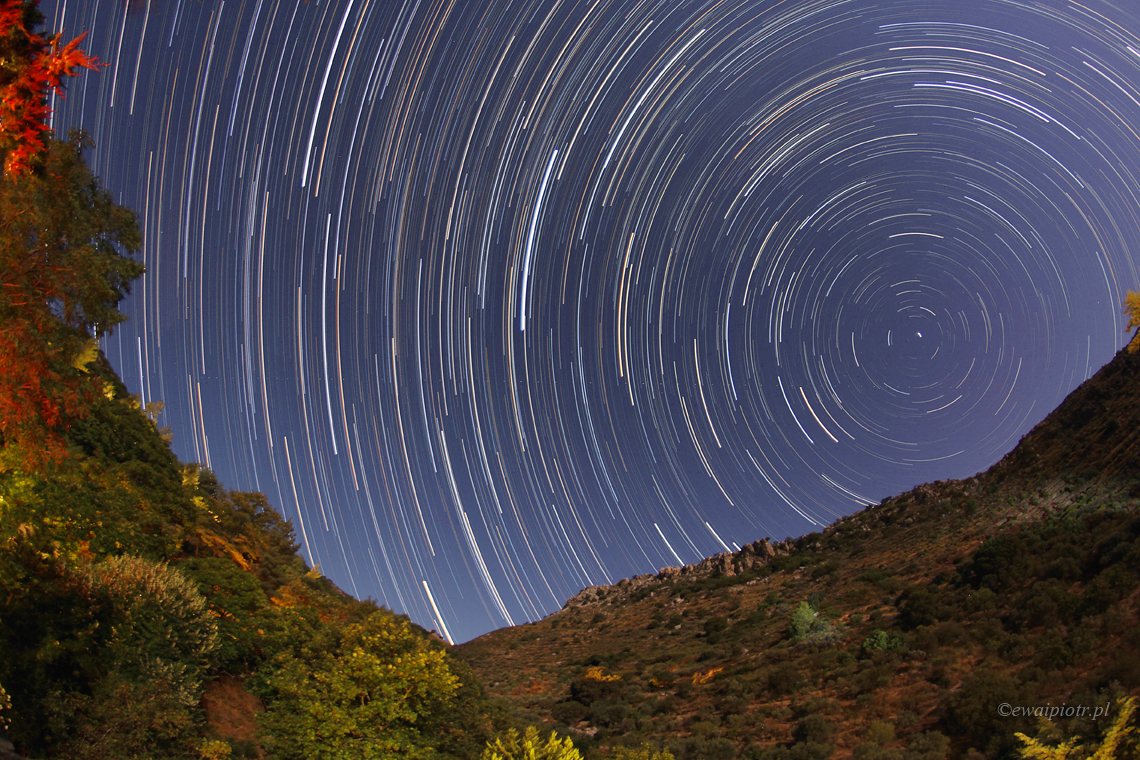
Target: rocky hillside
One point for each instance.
(898, 632)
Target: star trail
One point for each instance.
(495, 300)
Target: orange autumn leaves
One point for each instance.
(64, 249)
(33, 67)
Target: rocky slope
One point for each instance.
(895, 632)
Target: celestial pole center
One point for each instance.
(498, 300)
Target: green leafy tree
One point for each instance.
(64, 245)
(368, 698)
(159, 617)
(104, 659)
(809, 626)
(130, 718)
(163, 639)
(530, 746)
(64, 266)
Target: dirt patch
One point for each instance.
(231, 711)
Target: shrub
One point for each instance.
(920, 606)
(973, 712)
(239, 605)
(530, 746)
(814, 729)
(931, 745)
(215, 749)
(882, 641)
(809, 626)
(158, 616)
(1119, 739)
(644, 752)
(784, 679)
(153, 716)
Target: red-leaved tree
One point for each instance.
(33, 66)
(63, 249)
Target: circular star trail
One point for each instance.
(498, 299)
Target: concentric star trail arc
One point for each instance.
(496, 300)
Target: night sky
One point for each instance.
(496, 300)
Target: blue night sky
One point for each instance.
(496, 300)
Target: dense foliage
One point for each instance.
(530, 745)
(31, 67)
(131, 586)
(142, 604)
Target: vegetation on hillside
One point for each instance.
(900, 632)
(146, 611)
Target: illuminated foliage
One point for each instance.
(64, 269)
(530, 746)
(599, 674)
(32, 67)
(366, 698)
(1132, 311)
(63, 244)
(644, 752)
(1117, 741)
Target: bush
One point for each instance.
(644, 752)
(882, 641)
(920, 606)
(931, 745)
(814, 729)
(530, 746)
(153, 716)
(784, 679)
(808, 626)
(973, 715)
(239, 605)
(159, 616)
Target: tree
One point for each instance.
(1117, 740)
(1132, 311)
(64, 245)
(809, 626)
(103, 659)
(63, 248)
(31, 67)
(368, 698)
(530, 746)
(63, 270)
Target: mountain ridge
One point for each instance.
(1035, 446)
(701, 656)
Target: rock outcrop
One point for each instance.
(726, 564)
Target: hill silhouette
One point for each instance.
(902, 631)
